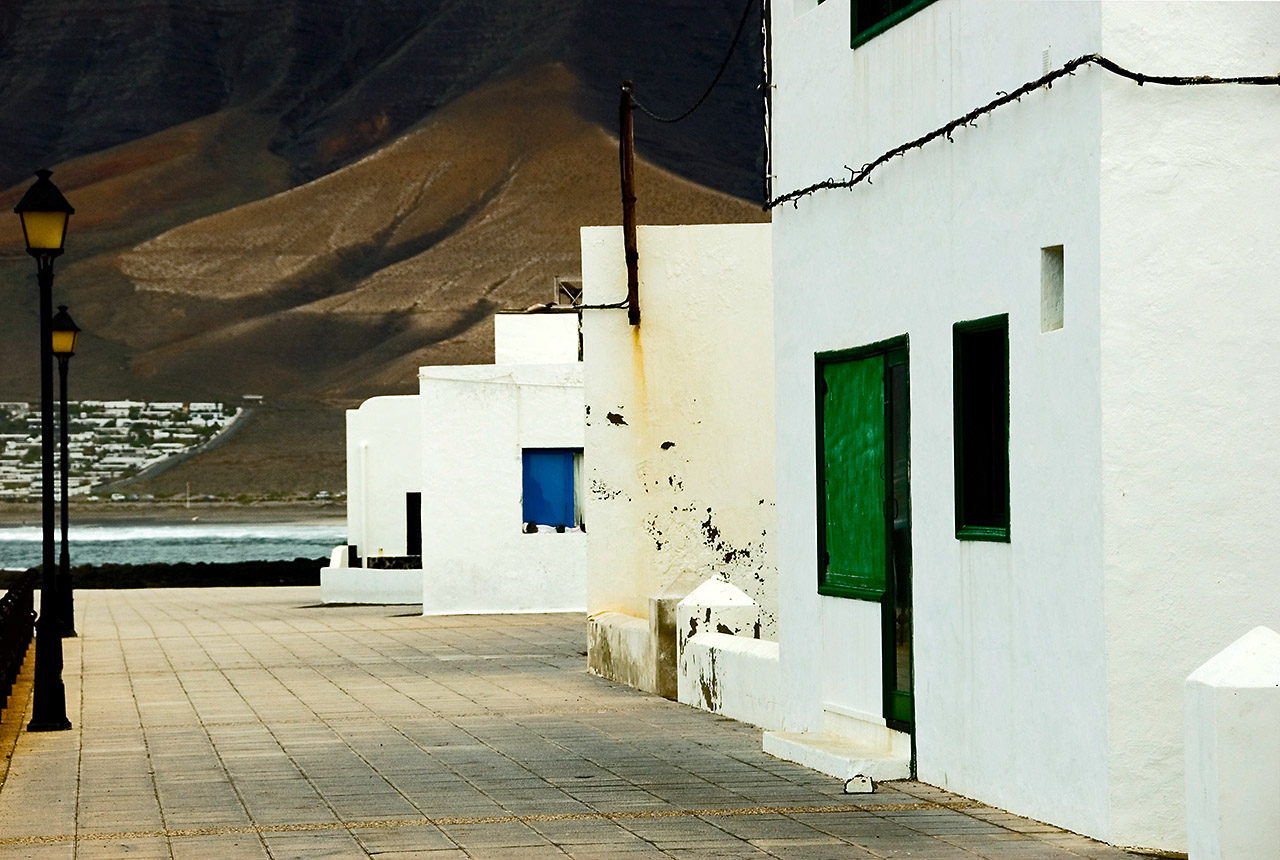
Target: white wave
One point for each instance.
(181, 532)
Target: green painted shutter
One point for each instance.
(854, 561)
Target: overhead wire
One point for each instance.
(1002, 98)
(746, 13)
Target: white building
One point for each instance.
(502, 518)
(680, 447)
(1027, 441)
(466, 497)
(382, 561)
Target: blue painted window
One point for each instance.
(548, 486)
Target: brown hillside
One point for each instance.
(338, 289)
(343, 286)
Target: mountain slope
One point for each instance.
(337, 78)
(308, 199)
(343, 286)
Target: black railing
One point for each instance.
(17, 625)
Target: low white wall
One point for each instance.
(373, 586)
(1233, 751)
(680, 416)
(715, 606)
(383, 464)
(734, 676)
(620, 648)
(477, 420)
(535, 338)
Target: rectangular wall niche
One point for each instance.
(1051, 288)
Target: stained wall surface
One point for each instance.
(680, 416)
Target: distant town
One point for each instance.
(108, 441)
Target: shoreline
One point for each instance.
(173, 513)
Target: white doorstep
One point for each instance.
(837, 756)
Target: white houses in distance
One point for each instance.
(466, 497)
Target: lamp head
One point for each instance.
(63, 333)
(44, 212)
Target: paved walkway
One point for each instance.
(250, 723)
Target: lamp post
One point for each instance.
(63, 335)
(44, 213)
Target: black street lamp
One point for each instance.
(44, 213)
(64, 333)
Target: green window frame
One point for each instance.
(853, 559)
(870, 18)
(980, 360)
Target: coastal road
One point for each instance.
(251, 723)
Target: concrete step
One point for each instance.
(837, 756)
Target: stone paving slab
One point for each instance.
(219, 724)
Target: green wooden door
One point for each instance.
(864, 501)
(853, 456)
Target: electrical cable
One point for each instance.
(746, 13)
(1003, 98)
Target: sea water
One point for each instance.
(20, 546)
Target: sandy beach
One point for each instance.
(162, 513)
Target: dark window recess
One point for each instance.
(413, 523)
(393, 562)
(981, 355)
(547, 498)
(871, 17)
(353, 555)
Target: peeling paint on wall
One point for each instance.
(693, 389)
(710, 685)
(604, 492)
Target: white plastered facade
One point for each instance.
(477, 420)
(536, 338)
(680, 419)
(459, 442)
(1143, 448)
(679, 438)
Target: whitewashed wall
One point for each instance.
(1190, 356)
(1142, 436)
(535, 338)
(383, 464)
(1009, 643)
(476, 420)
(680, 416)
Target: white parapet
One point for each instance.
(621, 648)
(1233, 751)
(722, 664)
(536, 338)
(717, 606)
(341, 584)
(733, 676)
